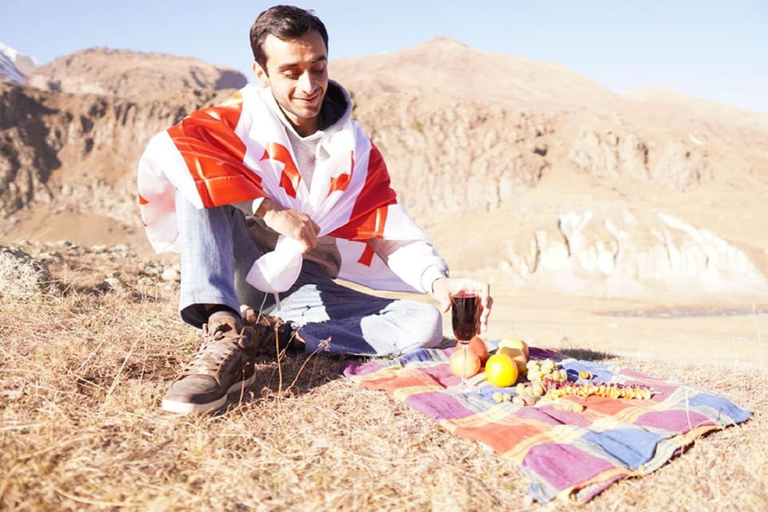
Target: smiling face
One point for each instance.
(297, 73)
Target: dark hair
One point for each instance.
(285, 22)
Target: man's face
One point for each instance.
(297, 73)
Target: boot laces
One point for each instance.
(216, 353)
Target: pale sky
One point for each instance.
(715, 49)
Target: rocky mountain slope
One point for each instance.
(570, 186)
(506, 130)
(131, 74)
(552, 180)
(447, 67)
(78, 152)
(703, 119)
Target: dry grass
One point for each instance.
(83, 370)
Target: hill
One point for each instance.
(554, 180)
(445, 67)
(132, 74)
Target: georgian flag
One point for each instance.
(239, 151)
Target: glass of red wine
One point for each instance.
(465, 319)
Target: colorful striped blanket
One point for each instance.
(567, 455)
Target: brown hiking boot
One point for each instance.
(269, 329)
(223, 365)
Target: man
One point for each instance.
(282, 160)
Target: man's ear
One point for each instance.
(260, 74)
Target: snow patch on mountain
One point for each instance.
(8, 71)
(14, 65)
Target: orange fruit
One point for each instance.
(516, 343)
(457, 363)
(517, 356)
(501, 370)
(477, 345)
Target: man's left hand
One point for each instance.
(445, 288)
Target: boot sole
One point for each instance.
(192, 408)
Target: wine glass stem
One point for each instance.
(464, 366)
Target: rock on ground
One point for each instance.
(20, 274)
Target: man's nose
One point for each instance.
(307, 83)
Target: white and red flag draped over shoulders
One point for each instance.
(239, 151)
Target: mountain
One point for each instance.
(78, 153)
(131, 74)
(445, 67)
(708, 119)
(522, 172)
(471, 129)
(8, 71)
(14, 65)
(23, 62)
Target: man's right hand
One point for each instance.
(290, 223)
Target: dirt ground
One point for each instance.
(83, 369)
(688, 333)
(681, 329)
(692, 329)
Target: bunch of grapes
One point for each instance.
(540, 370)
(554, 390)
(524, 396)
(501, 397)
(549, 380)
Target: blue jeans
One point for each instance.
(217, 251)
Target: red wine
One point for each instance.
(465, 317)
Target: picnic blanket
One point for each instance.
(565, 454)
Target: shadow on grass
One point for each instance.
(102, 289)
(291, 376)
(301, 373)
(298, 374)
(586, 354)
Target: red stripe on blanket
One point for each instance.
(214, 154)
(607, 405)
(499, 436)
(392, 384)
(290, 178)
